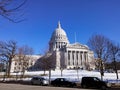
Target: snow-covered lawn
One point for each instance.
(72, 75)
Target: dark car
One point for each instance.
(63, 82)
(39, 81)
(93, 82)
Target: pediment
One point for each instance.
(78, 45)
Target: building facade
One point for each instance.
(18, 65)
(68, 55)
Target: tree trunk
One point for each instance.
(49, 76)
(9, 67)
(78, 73)
(101, 70)
(116, 68)
(44, 71)
(61, 72)
(23, 73)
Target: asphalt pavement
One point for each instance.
(6, 86)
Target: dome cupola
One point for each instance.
(58, 39)
(59, 31)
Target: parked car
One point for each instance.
(63, 82)
(39, 81)
(94, 82)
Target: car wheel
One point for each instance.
(72, 85)
(103, 88)
(75, 85)
(32, 83)
(59, 85)
(84, 86)
(41, 84)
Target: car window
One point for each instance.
(56, 79)
(96, 79)
(35, 78)
(66, 79)
(42, 78)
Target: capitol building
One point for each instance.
(70, 56)
(66, 55)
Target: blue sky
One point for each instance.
(85, 17)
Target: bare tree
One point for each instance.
(47, 63)
(62, 63)
(1, 66)
(24, 55)
(99, 44)
(44, 63)
(8, 52)
(114, 50)
(10, 9)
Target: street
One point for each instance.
(33, 87)
(4, 86)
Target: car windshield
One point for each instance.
(42, 78)
(96, 79)
(38, 78)
(66, 79)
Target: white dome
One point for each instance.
(58, 39)
(59, 35)
(59, 32)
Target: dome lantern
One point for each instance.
(59, 25)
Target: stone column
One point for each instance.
(78, 58)
(87, 57)
(67, 58)
(81, 58)
(71, 58)
(75, 58)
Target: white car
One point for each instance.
(39, 81)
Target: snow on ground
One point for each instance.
(72, 74)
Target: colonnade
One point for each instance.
(77, 58)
